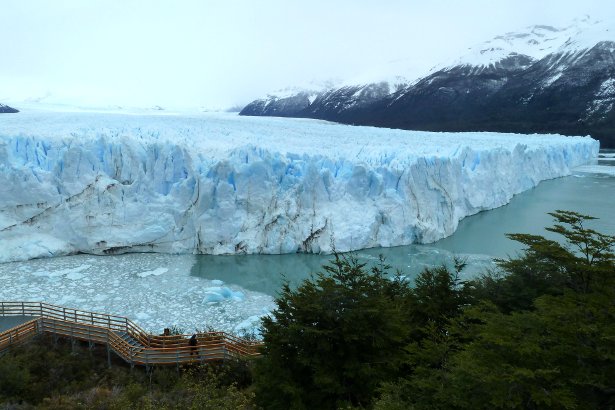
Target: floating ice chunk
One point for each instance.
(66, 300)
(217, 294)
(217, 282)
(155, 272)
(213, 297)
(249, 326)
(111, 285)
(71, 273)
(76, 273)
(75, 276)
(238, 296)
(142, 315)
(46, 273)
(596, 169)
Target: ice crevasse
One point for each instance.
(221, 184)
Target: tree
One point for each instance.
(590, 253)
(553, 348)
(561, 355)
(548, 267)
(331, 342)
(438, 295)
(437, 301)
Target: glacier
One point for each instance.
(104, 183)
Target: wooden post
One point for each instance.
(55, 332)
(72, 338)
(90, 343)
(108, 351)
(132, 362)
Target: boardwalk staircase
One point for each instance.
(121, 336)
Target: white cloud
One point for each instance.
(220, 53)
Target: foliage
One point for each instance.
(538, 334)
(552, 349)
(332, 341)
(561, 355)
(547, 267)
(437, 296)
(437, 302)
(60, 377)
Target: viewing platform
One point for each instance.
(21, 321)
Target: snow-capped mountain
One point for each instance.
(328, 101)
(6, 109)
(284, 103)
(535, 43)
(543, 79)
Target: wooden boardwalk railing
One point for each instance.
(120, 335)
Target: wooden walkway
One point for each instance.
(119, 334)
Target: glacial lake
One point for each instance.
(231, 293)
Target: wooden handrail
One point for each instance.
(19, 334)
(107, 329)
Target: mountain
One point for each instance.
(4, 109)
(541, 80)
(281, 104)
(326, 101)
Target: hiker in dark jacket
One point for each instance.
(193, 342)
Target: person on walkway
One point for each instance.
(193, 342)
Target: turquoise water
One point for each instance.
(479, 238)
(527, 213)
(161, 290)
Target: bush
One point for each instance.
(334, 339)
(539, 336)
(54, 376)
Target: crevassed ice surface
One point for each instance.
(223, 184)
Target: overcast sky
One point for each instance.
(183, 53)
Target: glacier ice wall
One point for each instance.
(219, 184)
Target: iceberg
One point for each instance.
(217, 294)
(105, 183)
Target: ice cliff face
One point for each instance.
(95, 183)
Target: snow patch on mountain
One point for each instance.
(604, 101)
(373, 83)
(537, 42)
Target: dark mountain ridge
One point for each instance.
(544, 81)
(5, 109)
